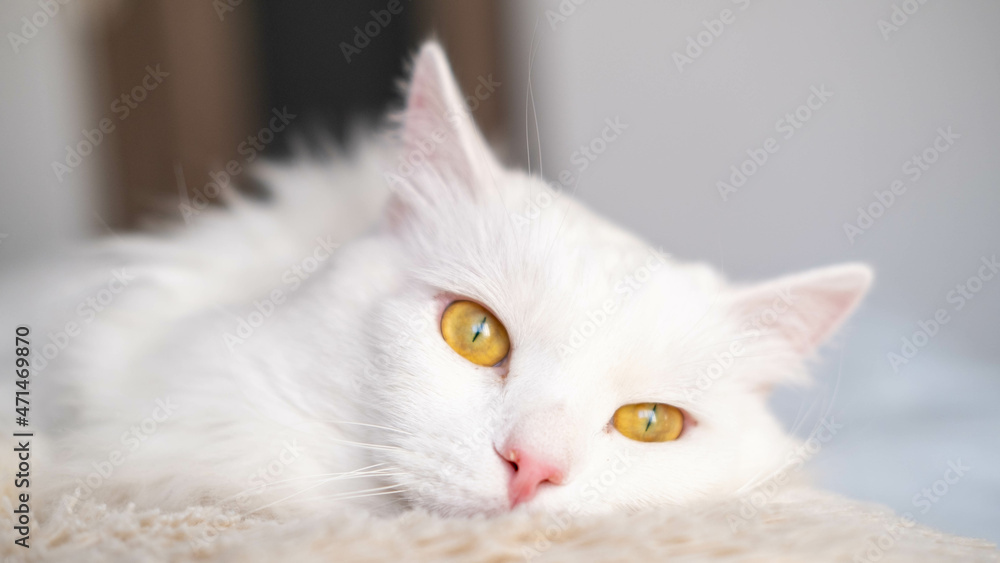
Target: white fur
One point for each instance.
(351, 369)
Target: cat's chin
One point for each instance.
(450, 506)
(466, 510)
(546, 502)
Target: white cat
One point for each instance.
(487, 344)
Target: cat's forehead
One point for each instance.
(530, 231)
(537, 252)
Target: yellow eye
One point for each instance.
(649, 422)
(474, 333)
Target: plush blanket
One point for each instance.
(797, 525)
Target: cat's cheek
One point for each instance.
(590, 494)
(623, 289)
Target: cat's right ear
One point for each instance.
(444, 156)
(805, 309)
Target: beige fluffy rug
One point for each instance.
(797, 525)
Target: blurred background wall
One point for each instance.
(762, 137)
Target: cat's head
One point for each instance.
(524, 354)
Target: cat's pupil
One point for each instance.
(651, 419)
(480, 328)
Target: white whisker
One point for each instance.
(369, 425)
(328, 477)
(365, 445)
(388, 489)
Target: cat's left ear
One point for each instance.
(444, 154)
(802, 310)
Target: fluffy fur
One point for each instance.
(797, 526)
(283, 375)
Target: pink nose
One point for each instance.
(529, 472)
